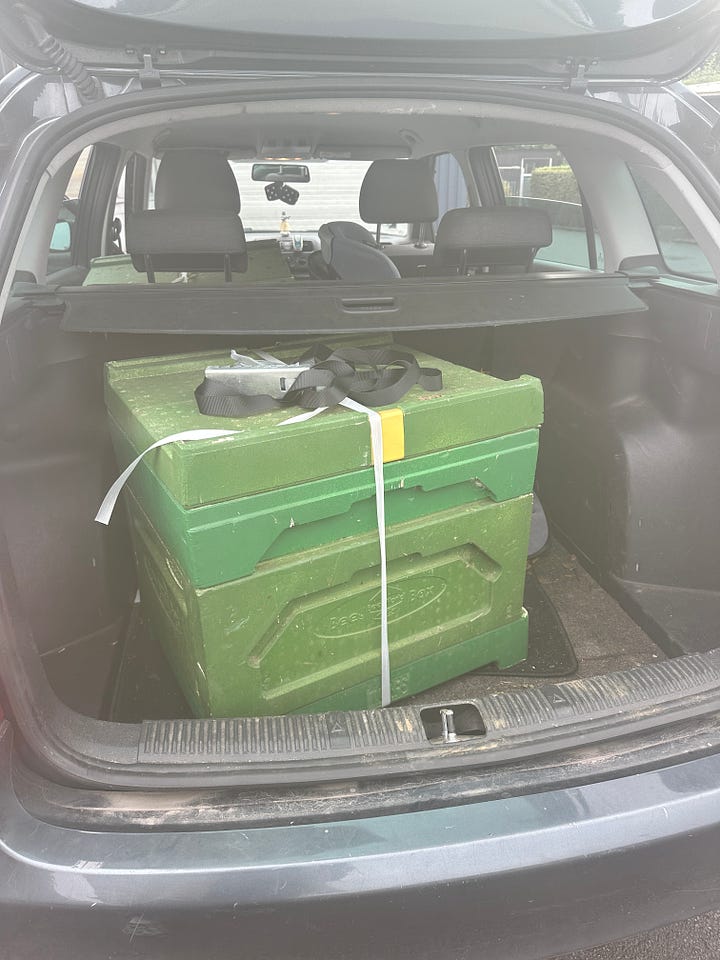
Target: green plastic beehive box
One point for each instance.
(223, 541)
(295, 504)
(151, 398)
(301, 634)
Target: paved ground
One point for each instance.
(697, 939)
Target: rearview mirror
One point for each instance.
(61, 237)
(281, 172)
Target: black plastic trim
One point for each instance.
(96, 185)
(635, 751)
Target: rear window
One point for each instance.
(678, 248)
(403, 19)
(539, 176)
(332, 194)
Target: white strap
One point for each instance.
(108, 505)
(376, 439)
(302, 417)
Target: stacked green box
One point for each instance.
(258, 553)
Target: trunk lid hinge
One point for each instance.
(577, 75)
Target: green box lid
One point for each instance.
(151, 398)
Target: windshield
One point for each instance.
(404, 19)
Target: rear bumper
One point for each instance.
(527, 877)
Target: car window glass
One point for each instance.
(154, 164)
(59, 254)
(332, 194)
(677, 246)
(116, 227)
(539, 176)
(118, 210)
(72, 191)
(450, 184)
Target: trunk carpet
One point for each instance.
(145, 688)
(576, 630)
(550, 653)
(603, 637)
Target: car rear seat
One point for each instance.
(196, 223)
(401, 191)
(490, 240)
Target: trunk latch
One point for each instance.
(452, 723)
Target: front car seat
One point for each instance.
(351, 253)
(196, 223)
(401, 191)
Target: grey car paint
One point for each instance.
(524, 877)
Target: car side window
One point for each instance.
(678, 248)
(450, 183)
(539, 176)
(62, 234)
(72, 191)
(61, 241)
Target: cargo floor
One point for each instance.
(602, 636)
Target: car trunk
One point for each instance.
(623, 601)
(624, 590)
(610, 399)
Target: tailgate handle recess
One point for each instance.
(369, 304)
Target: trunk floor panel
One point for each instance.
(550, 653)
(597, 633)
(604, 638)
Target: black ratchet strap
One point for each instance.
(373, 376)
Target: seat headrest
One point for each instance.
(500, 237)
(177, 241)
(494, 227)
(350, 250)
(196, 180)
(398, 191)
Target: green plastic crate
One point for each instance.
(302, 633)
(224, 541)
(151, 398)
(255, 543)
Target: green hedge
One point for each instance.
(554, 183)
(707, 72)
